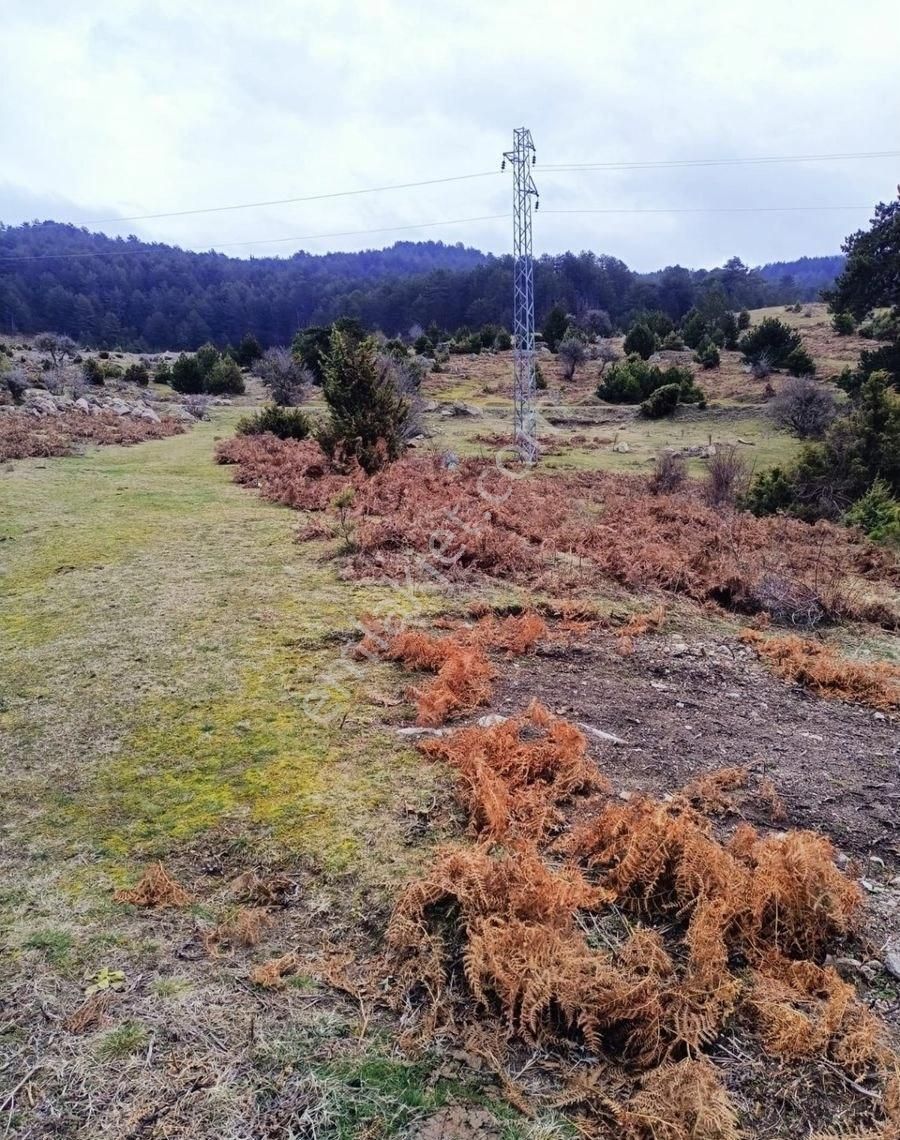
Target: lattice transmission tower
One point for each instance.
(521, 157)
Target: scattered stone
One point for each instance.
(490, 720)
(610, 737)
(460, 409)
(621, 447)
(892, 963)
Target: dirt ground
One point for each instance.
(687, 705)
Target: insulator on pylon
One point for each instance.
(503, 165)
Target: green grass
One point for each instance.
(171, 663)
(127, 1038)
(55, 945)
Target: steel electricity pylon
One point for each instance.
(521, 158)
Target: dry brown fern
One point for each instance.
(464, 672)
(156, 888)
(244, 928)
(513, 775)
(826, 672)
(270, 975)
(682, 1101)
(709, 791)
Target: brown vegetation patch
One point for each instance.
(270, 975)
(513, 775)
(23, 436)
(558, 531)
(464, 672)
(822, 669)
(156, 888)
(504, 937)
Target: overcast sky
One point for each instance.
(110, 108)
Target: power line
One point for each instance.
(290, 201)
(706, 210)
(662, 164)
(550, 167)
(259, 241)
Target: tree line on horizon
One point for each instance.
(150, 296)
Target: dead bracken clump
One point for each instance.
(23, 436)
(503, 935)
(708, 792)
(558, 531)
(826, 672)
(244, 928)
(464, 672)
(679, 1100)
(156, 888)
(512, 775)
(270, 975)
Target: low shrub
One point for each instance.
(771, 338)
(137, 374)
(640, 340)
(632, 380)
(805, 407)
(669, 473)
(727, 477)
(92, 372)
(877, 514)
(707, 354)
(224, 379)
(286, 423)
(799, 363)
(843, 324)
(661, 402)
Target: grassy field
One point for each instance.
(175, 684)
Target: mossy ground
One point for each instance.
(172, 660)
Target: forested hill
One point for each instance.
(123, 292)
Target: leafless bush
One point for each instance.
(728, 477)
(17, 381)
(284, 376)
(571, 352)
(57, 347)
(198, 406)
(761, 367)
(789, 602)
(805, 407)
(606, 353)
(669, 473)
(407, 376)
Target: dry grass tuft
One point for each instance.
(768, 796)
(708, 792)
(823, 670)
(245, 928)
(91, 1014)
(156, 888)
(270, 975)
(267, 890)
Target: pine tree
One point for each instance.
(370, 417)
